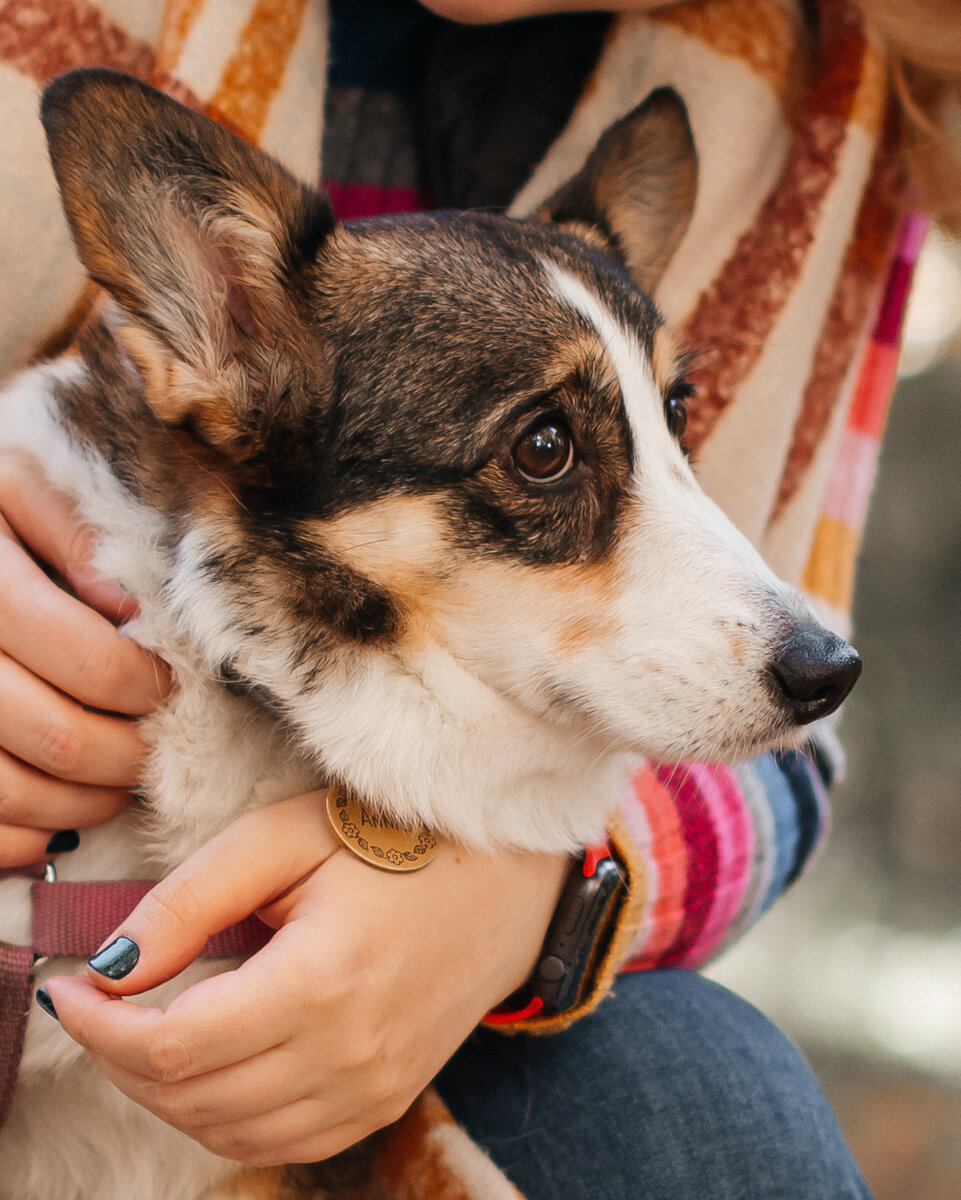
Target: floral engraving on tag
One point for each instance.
(374, 837)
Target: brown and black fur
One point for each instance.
(347, 394)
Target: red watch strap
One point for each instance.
(592, 856)
(499, 1017)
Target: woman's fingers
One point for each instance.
(258, 1111)
(49, 731)
(239, 1092)
(254, 861)
(25, 792)
(46, 521)
(55, 636)
(287, 1135)
(61, 765)
(60, 639)
(165, 1047)
(222, 1020)
(20, 846)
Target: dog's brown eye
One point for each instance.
(546, 451)
(675, 408)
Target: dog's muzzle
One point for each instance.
(813, 671)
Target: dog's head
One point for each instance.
(427, 473)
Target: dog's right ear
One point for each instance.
(634, 197)
(201, 238)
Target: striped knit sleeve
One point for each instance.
(710, 848)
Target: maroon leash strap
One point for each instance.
(16, 985)
(72, 920)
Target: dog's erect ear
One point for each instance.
(635, 194)
(200, 237)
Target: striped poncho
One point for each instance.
(790, 284)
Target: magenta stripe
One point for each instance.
(735, 839)
(888, 329)
(353, 200)
(700, 838)
(914, 229)
(891, 316)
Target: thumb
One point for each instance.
(258, 858)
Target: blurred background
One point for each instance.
(861, 963)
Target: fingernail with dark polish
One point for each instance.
(63, 842)
(117, 960)
(43, 999)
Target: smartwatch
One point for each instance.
(579, 933)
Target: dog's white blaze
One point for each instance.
(632, 367)
(690, 582)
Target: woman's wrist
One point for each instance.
(515, 894)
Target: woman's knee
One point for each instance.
(674, 1087)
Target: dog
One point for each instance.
(416, 489)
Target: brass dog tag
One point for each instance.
(375, 838)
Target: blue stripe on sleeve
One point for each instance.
(799, 770)
(784, 810)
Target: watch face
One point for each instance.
(578, 936)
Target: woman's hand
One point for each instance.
(62, 765)
(370, 984)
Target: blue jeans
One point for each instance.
(674, 1089)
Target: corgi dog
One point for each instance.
(415, 488)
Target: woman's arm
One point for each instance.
(374, 979)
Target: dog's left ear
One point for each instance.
(634, 196)
(204, 241)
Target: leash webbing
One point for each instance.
(72, 920)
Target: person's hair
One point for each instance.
(924, 40)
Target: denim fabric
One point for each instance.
(674, 1089)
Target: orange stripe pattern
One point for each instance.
(254, 74)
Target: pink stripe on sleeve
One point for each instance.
(700, 839)
(911, 237)
(872, 397)
(666, 854)
(869, 408)
(848, 491)
(735, 848)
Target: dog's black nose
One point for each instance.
(813, 671)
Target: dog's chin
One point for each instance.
(703, 745)
(783, 736)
